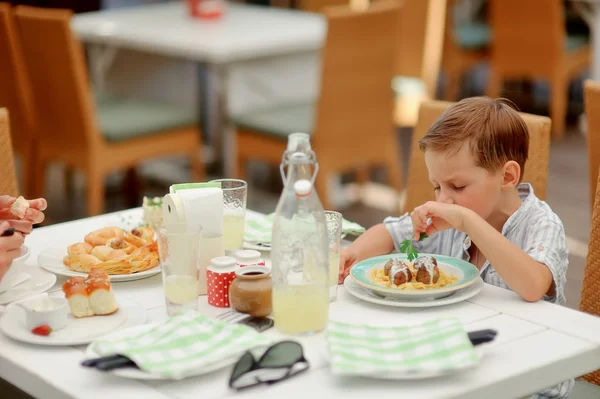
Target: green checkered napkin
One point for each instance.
(182, 345)
(382, 351)
(258, 231)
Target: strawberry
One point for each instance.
(42, 330)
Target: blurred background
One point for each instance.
(245, 74)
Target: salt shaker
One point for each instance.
(249, 257)
(219, 276)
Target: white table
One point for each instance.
(245, 33)
(538, 345)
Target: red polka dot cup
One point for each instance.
(219, 276)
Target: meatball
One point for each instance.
(427, 270)
(398, 271)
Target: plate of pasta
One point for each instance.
(424, 278)
(123, 255)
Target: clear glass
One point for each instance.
(299, 250)
(235, 194)
(179, 251)
(334, 233)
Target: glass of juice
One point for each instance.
(235, 194)
(179, 251)
(334, 233)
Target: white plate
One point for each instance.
(51, 259)
(137, 374)
(367, 295)
(39, 281)
(249, 245)
(78, 331)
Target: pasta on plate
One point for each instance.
(422, 274)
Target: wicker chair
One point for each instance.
(590, 294)
(97, 133)
(17, 97)
(530, 41)
(418, 189)
(351, 123)
(8, 182)
(592, 112)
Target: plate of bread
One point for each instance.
(427, 277)
(86, 311)
(123, 255)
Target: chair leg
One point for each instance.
(198, 172)
(452, 86)
(240, 167)
(558, 106)
(29, 172)
(394, 171)
(38, 185)
(323, 188)
(363, 175)
(495, 83)
(95, 191)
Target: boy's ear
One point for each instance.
(511, 175)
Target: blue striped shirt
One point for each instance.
(534, 228)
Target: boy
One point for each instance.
(475, 154)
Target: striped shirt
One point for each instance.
(534, 228)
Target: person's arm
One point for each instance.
(375, 241)
(523, 274)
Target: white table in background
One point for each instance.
(538, 345)
(245, 33)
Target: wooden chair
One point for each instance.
(8, 181)
(592, 114)
(97, 135)
(351, 123)
(318, 5)
(16, 96)
(530, 41)
(465, 45)
(590, 294)
(418, 56)
(418, 189)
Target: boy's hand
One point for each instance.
(443, 217)
(348, 258)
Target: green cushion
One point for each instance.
(585, 390)
(408, 85)
(123, 119)
(278, 121)
(575, 42)
(473, 35)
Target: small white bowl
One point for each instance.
(52, 312)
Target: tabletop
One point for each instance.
(538, 345)
(245, 31)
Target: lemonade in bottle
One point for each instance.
(299, 255)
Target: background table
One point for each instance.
(268, 54)
(538, 345)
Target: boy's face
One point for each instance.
(457, 180)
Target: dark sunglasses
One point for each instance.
(279, 362)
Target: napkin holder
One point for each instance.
(198, 204)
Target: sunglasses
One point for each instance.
(279, 362)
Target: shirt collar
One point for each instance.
(527, 196)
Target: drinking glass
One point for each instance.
(334, 233)
(179, 251)
(235, 194)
